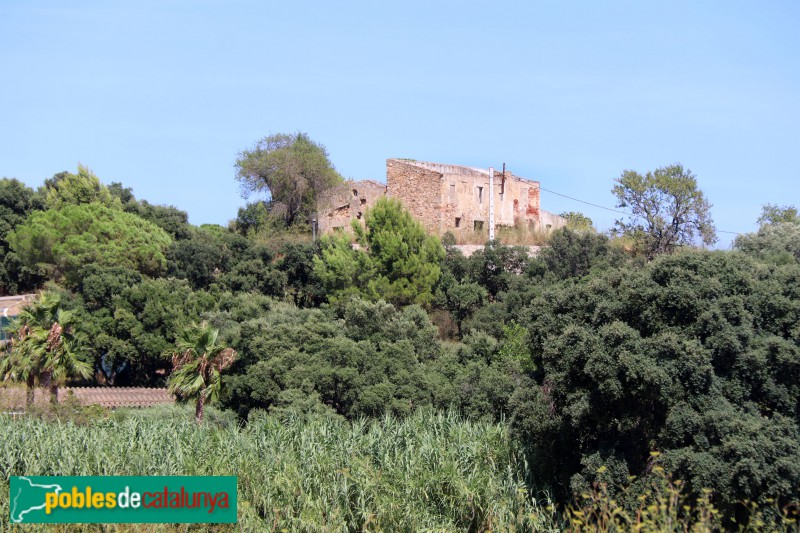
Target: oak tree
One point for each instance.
(666, 207)
(291, 169)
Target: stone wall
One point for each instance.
(456, 198)
(338, 206)
(419, 189)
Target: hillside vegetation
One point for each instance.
(607, 367)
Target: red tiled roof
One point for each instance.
(13, 398)
(119, 396)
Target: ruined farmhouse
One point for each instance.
(443, 197)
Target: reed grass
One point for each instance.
(429, 472)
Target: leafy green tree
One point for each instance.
(297, 263)
(666, 209)
(100, 285)
(461, 299)
(169, 218)
(251, 218)
(292, 169)
(197, 361)
(64, 240)
(778, 237)
(572, 254)
(17, 201)
(373, 360)
(144, 323)
(515, 346)
(578, 221)
(76, 189)
(201, 259)
(496, 265)
(774, 214)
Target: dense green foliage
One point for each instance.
(66, 239)
(17, 201)
(578, 221)
(132, 324)
(372, 360)
(429, 472)
(695, 355)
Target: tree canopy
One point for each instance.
(667, 209)
(17, 201)
(76, 189)
(64, 240)
(778, 237)
(291, 169)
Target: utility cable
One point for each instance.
(613, 210)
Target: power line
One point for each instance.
(583, 202)
(613, 210)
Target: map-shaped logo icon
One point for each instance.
(28, 498)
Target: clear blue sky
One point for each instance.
(161, 95)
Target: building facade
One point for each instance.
(442, 197)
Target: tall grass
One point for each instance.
(517, 235)
(430, 472)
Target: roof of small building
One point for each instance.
(13, 398)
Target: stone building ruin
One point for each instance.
(338, 206)
(442, 197)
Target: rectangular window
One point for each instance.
(477, 225)
(480, 195)
(452, 193)
(458, 222)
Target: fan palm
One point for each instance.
(44, 345)
(197, 363)
(20, 362)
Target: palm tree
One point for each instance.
(20, 362)
(44, 345)
(60, 359)
(197, 362)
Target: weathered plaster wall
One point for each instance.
(551, 221)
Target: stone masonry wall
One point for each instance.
(419, 188)
(338, 206)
